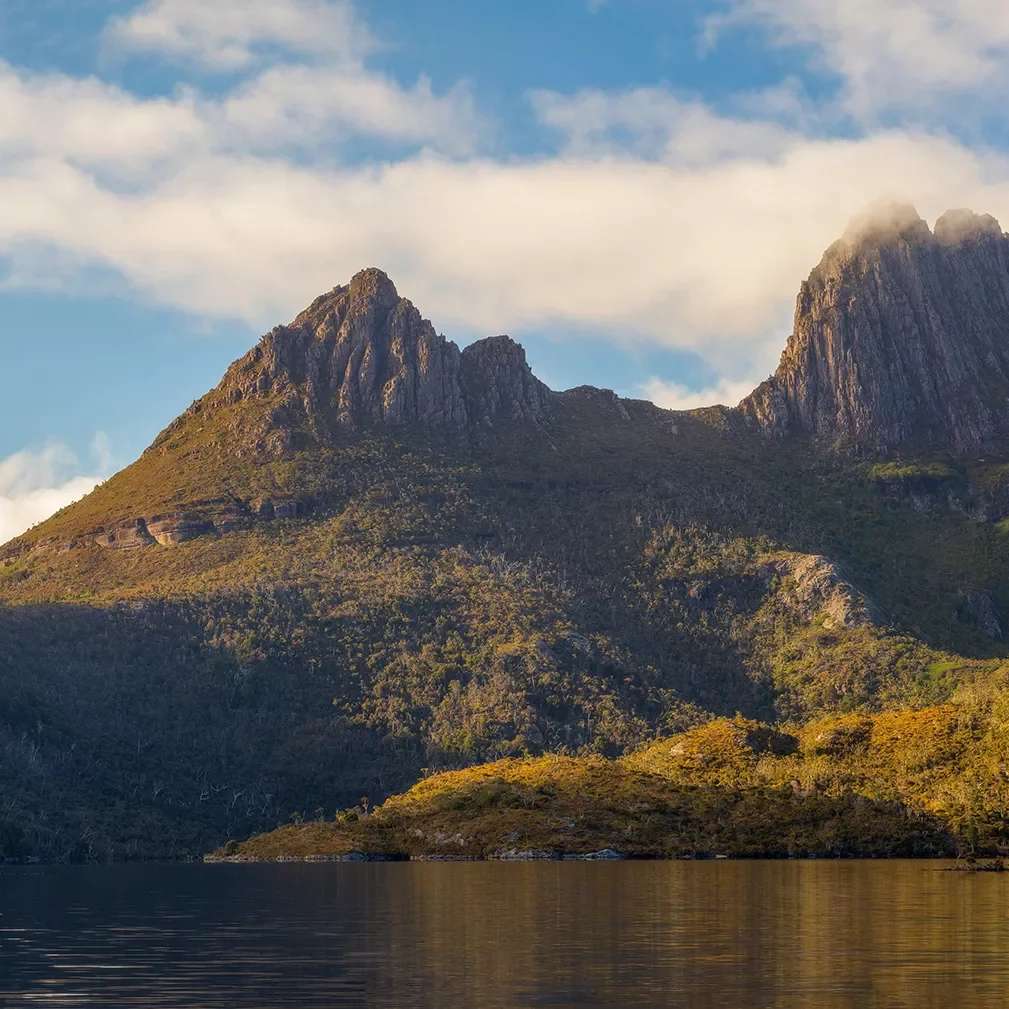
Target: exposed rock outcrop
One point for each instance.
(169, 530)
(978, 609)
(901, 339)
(212, 518)
(361, 356)
(498, 383)
(127, 536)
(816, 587)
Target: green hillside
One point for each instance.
(454, 607)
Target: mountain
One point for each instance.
(362, 356)
(359, 363)
(900, 339)
(367, 553)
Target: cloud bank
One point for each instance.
(690, 242)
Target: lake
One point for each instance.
(738, 935)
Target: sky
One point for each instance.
(633, 189)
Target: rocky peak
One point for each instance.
(885, 224)
(901, 338)
(958, 226)
(361, 356)
(498, 382)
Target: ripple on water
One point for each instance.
(738, 935)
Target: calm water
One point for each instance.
(452, 936)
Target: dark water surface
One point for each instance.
(738, 935)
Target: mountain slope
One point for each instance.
(367, 552)
(259, 445)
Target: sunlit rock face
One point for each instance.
(362, 356)
(901, 339)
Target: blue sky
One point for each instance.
(632, 188)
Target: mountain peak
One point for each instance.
(362, 356)
(900, 338)
(886, 221)
(956, 226)
(373, 284)
(498, 382)
(370, 288)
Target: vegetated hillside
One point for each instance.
(366, 553)
(924, 782)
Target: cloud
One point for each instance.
(655, 123)
(308, 107)
(674, 396)
(35, 485)
(92, 124)
(284, 110)
(304, 88)
(230, 35)
(902, 55)
(701, 256)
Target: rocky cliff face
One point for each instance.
(362, 356)
(901, 339)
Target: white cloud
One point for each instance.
(706, 256)
(892, 56)
(301, 109)
(655, 123)
(34, 485)
(90, 123)
(675, 396)
(232, 35)
(310, 107)
(304, 88)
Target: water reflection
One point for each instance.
(728, 934)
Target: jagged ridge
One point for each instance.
(899, 344)
(362, 356)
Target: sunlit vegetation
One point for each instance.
(946, 762)
(931, 781)
(924, 474)
(552, 806)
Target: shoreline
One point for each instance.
(364, 857)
